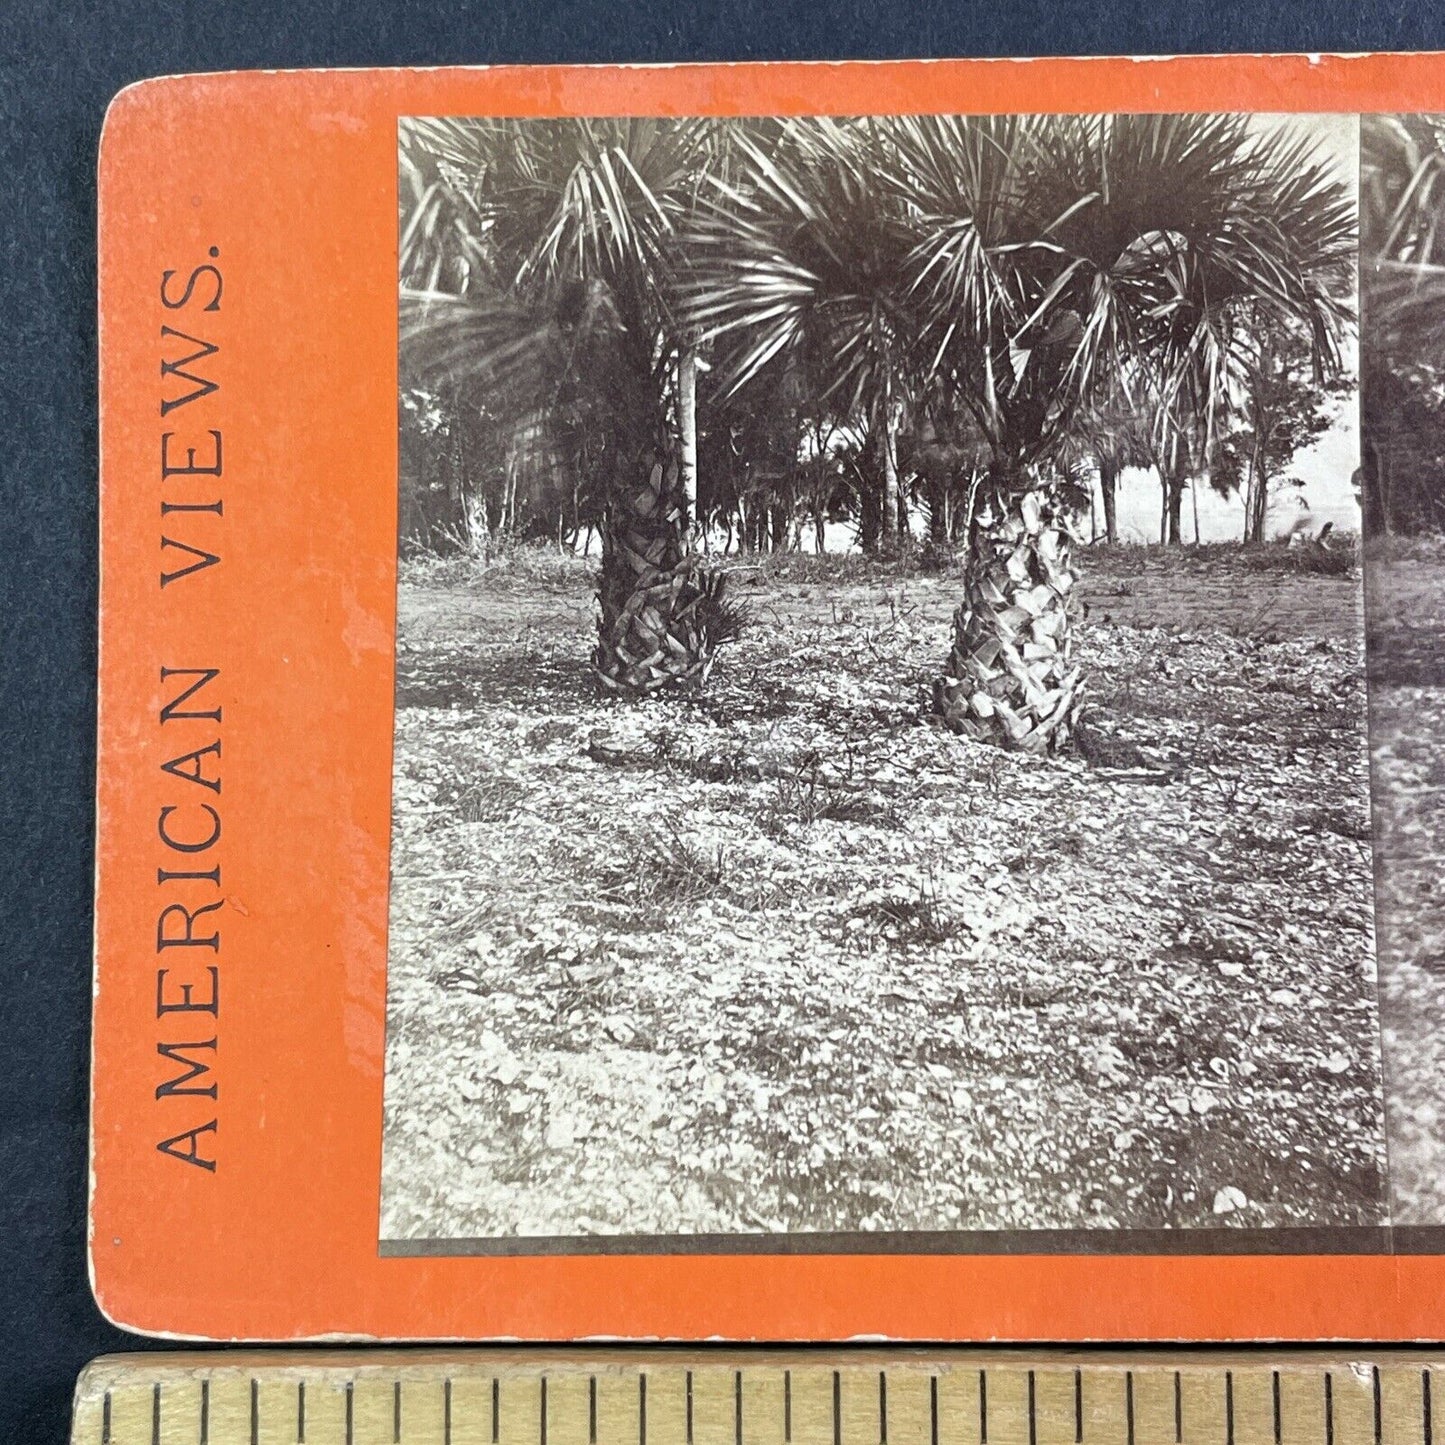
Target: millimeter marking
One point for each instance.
(330, 1399)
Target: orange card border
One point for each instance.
(291, 177)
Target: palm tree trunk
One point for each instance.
(870, 500)
(1249, 487)
(662, 616)
(687, 428)
(888, 466)
(1174, 509)
(1257, 501)
(777, 525)
(1010, 677)
(938, 509)
(1108, 490)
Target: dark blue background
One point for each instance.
(59, 65)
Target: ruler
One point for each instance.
(826, 1396)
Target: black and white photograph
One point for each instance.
(882, 755)
(1402, 168)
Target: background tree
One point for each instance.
(1285, 403)
(539, 261)
(945, 450)
(799, 261)
(1109, 435)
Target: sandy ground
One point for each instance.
(804, 962)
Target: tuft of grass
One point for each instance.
(666, 869)
(487, 798)
(806, 798)
(908, 920)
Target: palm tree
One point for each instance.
(539, 260)
(799, 266)
(1059, 257)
